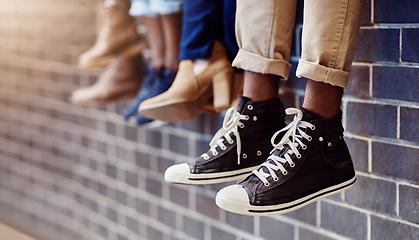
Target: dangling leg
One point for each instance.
(244, 141)
(116, 35)
(204, 66)
(153, 15)
(312, 160)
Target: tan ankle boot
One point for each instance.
(121, 80)
(236, 90)
(188, 93)
(117, 35)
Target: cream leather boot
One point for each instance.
(121, 80)
(117, 35)
(187, 95)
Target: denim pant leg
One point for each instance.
(202, 25)
(229, 38)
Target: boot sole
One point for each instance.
(188, 178)
(226, 203)
(131, 50)
(176, 110)
(171, 111)
(94, 102)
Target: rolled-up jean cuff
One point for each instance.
(141, 8)
(319, 73)
(166, 7)
(256, 63)
(152, 8)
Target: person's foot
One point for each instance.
(239, 147)
(121, 80)
(116, 35)
(156, 82)
(189, 92)
(311, 161)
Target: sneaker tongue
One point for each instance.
(309, 116)
(242, 103)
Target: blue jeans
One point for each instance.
(205, 21)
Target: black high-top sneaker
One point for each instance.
(310, 162)
(239, 147)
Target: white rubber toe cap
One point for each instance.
(233, 199)
(178, 173)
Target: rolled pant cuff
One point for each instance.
(319, 73)
(164, 7)
(256, 63)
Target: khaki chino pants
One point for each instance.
(264, 32)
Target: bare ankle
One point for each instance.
(322, 98)
(260, 87)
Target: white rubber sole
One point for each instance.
(180, 173)
(235, 199)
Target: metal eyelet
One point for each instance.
(309, 138)
(321, 139)
(313, 128)
(255, 118)
(246, 117)
(259, 153)
(266, 184)
(285, 173)
(244, 155)
(292, 165)
(231, 142)
(223, 148)
(298, 156)
(241, 125)
(304, 147)
(215, 154)
(206, 157)
(250, 107)
(329, 144)
(276, 179)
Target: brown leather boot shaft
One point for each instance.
(121, 80)
(118, 28)
(116, 35)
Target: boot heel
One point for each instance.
(221, 84)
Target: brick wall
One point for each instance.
(70, 172)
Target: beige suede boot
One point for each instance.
(189, 93)
(117, 35)
(236, 91)
(121, 80)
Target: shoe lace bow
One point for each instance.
(293, 138)
(230, 123)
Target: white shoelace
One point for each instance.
(230, 123)
(295, 130)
